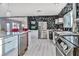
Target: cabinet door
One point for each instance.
(58, 52)
(10, 47)
(22, 44)
(68, 20)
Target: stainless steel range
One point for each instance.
(67, 45)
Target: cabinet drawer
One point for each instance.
(7, 48)
(5, 40)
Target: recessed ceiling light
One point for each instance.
(39, 10)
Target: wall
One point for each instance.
(49, 19)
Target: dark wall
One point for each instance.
(49, 19)
(77, 10)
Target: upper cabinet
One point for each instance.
(59, 21)
(66, 16)
(68, 20)
(56, 21)
(77, 10)
(66, 9)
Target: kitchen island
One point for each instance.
(11, 45)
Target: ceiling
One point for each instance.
(31, 9)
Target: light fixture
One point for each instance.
(38, 10)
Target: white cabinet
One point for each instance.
(56, 21)
(23, 41)
(59, 21)
(9, 46)
(68, 20)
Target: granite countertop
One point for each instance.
(73, 40)
(71, 37)
(67, 33)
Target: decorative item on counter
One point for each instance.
(15, 27)
(25, 29)
(15, 30)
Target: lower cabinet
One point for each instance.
(15, 45)
(9, 46)
(58, 53)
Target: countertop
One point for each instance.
(71, 37)
(3, 35)
(67, 33)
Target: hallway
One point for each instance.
(40, 47)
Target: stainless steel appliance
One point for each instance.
(67, 45)
(42, 30)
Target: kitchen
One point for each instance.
(40, 23)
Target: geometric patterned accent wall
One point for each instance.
(49, 19)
